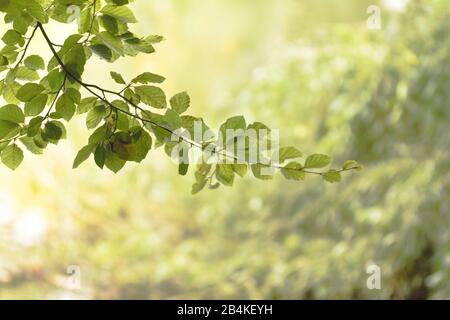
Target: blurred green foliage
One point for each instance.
(379, 96)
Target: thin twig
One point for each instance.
(26, 47)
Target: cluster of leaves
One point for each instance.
(127, 123)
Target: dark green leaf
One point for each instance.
(53, 132)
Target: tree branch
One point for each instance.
(90, 88)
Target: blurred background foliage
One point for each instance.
(310, 67)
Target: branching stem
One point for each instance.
(90, 88)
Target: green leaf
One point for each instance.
(12, 37)
(121, 13)
(34, 126)
(95, 116)
(65, 107)
(332, 176)
(31, 145)
(154, 38)
(152, 96)
(35, 10)
(86, 21)
(120, 2)
(24, 73)
(232, 124)
(7, 128)
(3, 145)
(21, 24)
(100, 156)
(235, 123)
(102, 51)
(141, 146)
(117, 77)
(55, 79)
(119, 104)
(122, 121)
(86, 104)
(3, 62)
(39, 141)
(257, 170)
(148, 77)
(240, 169)
(12, 156)
(183, 169)
(180, 102)
(99, 135)
(172, 119)
(10, 91)
(351, 164)
(12, 113)
(112, 42)
(225, 174)
(292, 171)
(110, 24)
(53, 132)
(75, 59)
(198, 186)
(114, 163)
(35, 62)
(28, 91)
(317, 161)
(135, 45)
(36, 105)
(133, 145)
(83, 155)
(73, 95)
(286, 153)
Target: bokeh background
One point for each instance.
(311, 68)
